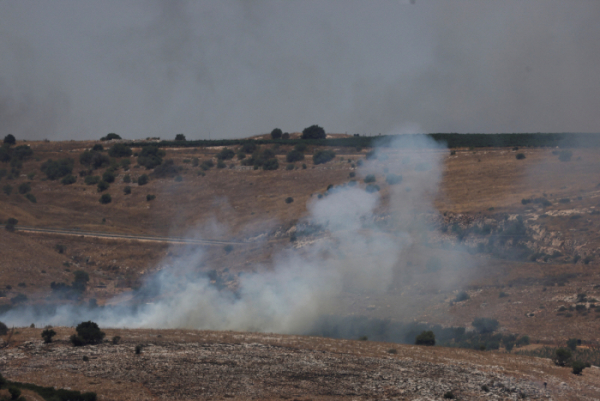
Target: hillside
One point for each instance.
(445, 238)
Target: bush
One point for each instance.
(142, 179)
(99, 160)
(150, 156)
(120, 150)
(301, 147)
(448, 395)
(285, 135)
(110, 137)
(24, 188)
(207, 164)
(15, 393)
(105, 199)
(578, 367)
(290, 166)
(520, 156)
(249, 147)
(69, 179)
(103, 186)
(221, 164)
(7, 189)
(524, 340)
(289, 199)
(425, 338)
(225, 154)
(127, 179)
(271, 164)
(294, 156)
(180, 137)
(393, 179)
(485, 325)
(87, 333)
(108, 176)
(572, 344)
(150, 197)
(276, 133)
(167, 169)
(313, 132)
(57, 169)
(10, 139)
(303, 166)
(10, 224)
(91, 179)
(3, 329)
(31, 198)
(370, 178)
(22, 152)
(127, 190)
(47, 335)
(116, 340)
(565, 155)
(97, 148)
(138, 349)
(462, 296)
(323, 156)
(562, 356)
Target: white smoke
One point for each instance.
(355, 255)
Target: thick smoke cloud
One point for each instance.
(74, 70)
(303, 283)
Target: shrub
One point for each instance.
(180, 137)
(271, 164)
(249, 147)
(221, 164)
(289, 166)
(103, 186)
(393, 179)
(127, 190)
(352, 174)
(116, 340)
(520, 156)
(167, 169)
(105, 199)
(24, 188)
(448, 395)
(485, 325)
(47, 335)
(323, 156)
(99, 160)
(225, 154)
(578, 366)
(127, 179)
(31, 198)
(3, 329)
(370, 178)
(69, 179)
(120, 150)
(207, 164)
(228, 248)
(371, 188)
(572, 344)
(562, 356)
(313, 132)
(485, 388)
(10, 139)
(524, 340)
(97, 148)
(565, 155)
(15, 393)
(276, 133)
(150, 197)
(87, 333)
(10, 225)
(289, 199)
(294, 156)
(303, 166)
(57, 169)
(462, 296)
(150, 156)
(7, 189)
(142, 179)
(138, 349)
(301, 147)
(110, 137)
(108, 176)
(425, 338)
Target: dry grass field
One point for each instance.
(482, 187)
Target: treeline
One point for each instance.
(452, 140)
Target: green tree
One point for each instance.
(142, 179)
(105, 198)
(150, 156)
(87, 333)
(10, 139)
(180, 137)
(57, 169)
(110, 137)
(562, 356)
(313, 132)
(276, 133)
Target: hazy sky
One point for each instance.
(82, 69)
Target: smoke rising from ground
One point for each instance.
(76, 70)
(356, 256)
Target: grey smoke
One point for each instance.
(305, 282)
(75, 70)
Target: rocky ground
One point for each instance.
(190, 365)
